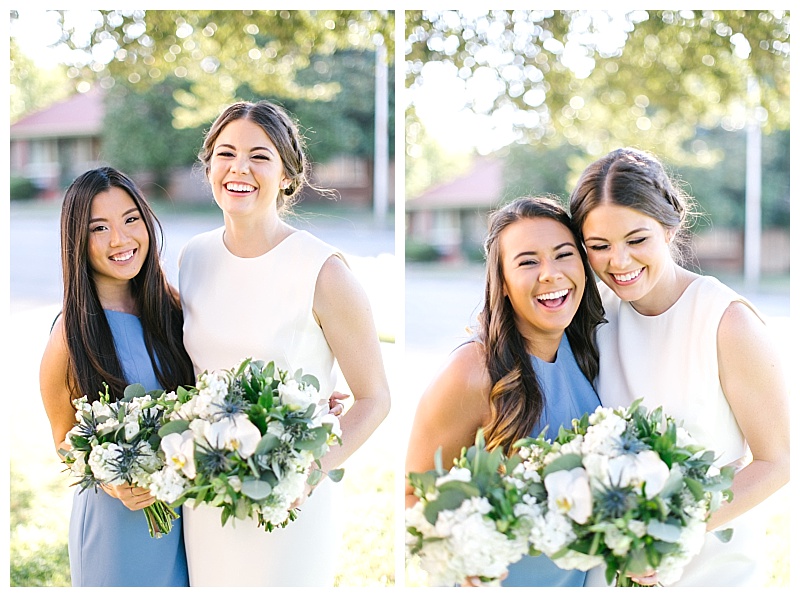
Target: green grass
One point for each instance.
(39, 527)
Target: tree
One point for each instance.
(31, 87)
(218, 52)
(134, 120)
(597, 80)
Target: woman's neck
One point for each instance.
(669, 288)
(545, 347)
(253, 237)
(117, 296)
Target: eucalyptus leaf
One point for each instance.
(256, 489)
(565, 462)
(336, 474)
(310, 380)
(319, 437)
(135, 390)
(664, 531)
(315, 477)
(267, 443)
(177, 426)
(724, 535)
(447, 500)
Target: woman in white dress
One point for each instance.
(257, 287)
(688, 343)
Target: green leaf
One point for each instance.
(662, 531)
(437, 461)
(267, 443)
(310, 380)
(447, 500)
(256, 489)
(724, 535)
(336, 474)
(135, 390)
(177, 426)
(565, 462)
(320, 437)
(315, 477)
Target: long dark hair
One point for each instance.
(516, 400)
(92, 356)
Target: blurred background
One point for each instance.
(507, 103)
(136, 90)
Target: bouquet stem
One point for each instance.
(159, 518)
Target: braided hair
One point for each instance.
(634, 178)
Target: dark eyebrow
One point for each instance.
(631, 233)
(252, 149)
(556, 248)
(132, 209)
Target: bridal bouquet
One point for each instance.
(245, 440)
(465, 523)
(115, 442)
(626, 487)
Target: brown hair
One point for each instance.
(92, 356)
(634, 178)
(516, 400)
(281, 129)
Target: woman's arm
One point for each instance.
(449, 413)
(53, 375)
(343, 311)
(57, 400)
(755, 385)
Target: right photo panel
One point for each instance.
(597, 298)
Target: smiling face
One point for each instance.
(118, 238)
(543, 278)
(245, 170)
(627, 249)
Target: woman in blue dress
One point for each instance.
(530, 365)
(121, 323)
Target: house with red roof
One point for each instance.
(52, 146)
(452, 216)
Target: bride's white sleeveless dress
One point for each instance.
(670, 360)
(258, 307)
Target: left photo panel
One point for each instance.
(205, 298)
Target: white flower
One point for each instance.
(551, 532)
(293, 394)
(575, 560)
(455, 474)
(634, 470)
(131, 429)
(179, 452)
(99, 459)
(234, 433)
(617, 541)
(167, 484)
(333, 420)
(277, 429)
(601, 436)
(568, 492)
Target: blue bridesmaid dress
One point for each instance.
(110, 545)
(568, 395)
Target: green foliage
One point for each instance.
(138, 130)
(218, 51)
(33, 88)
(22, 188)
(345, 122)
(649, 78)
(417, 251)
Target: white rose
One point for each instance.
(293, 395)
